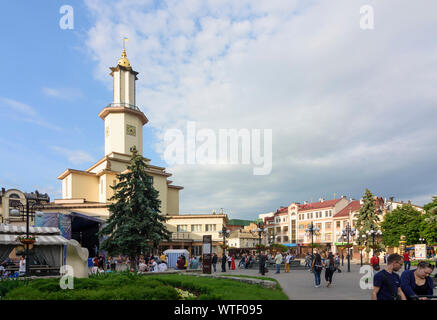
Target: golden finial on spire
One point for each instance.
(123, 61)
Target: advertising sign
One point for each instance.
(206, 254)
(420, 251)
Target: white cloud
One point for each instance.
(20, 111)
(63, 93)
(74, 156)
(349, 108)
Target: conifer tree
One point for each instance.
(135, 224)
(367, 219)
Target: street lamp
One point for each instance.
(312, 230)
(361, 240)
(261, 231)
(374, 234)
(29, 211)
(224, 232)
(422, 240)
(346, 233)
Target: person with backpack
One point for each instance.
(329, 269)
(387, 283)
(317, 268)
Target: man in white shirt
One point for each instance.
(278, 261)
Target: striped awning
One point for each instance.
(4, 229)
(44, 240)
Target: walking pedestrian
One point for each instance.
(337, 263)
(233, 263)
(407, 263)
(387, 283)
(329, 269)
(317, 268)
(278, 261)
(224, 262)
(308, 261)
(262, 263)
(229, 262)
(287, 263)
(374, 261)
(214, 262)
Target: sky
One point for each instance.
(349, 109)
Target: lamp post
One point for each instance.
(422, 240)
(360, 240)
(312, 230)
(347, 233)
(224, 232)
(373, 233)
(28, 210)
(261, 230)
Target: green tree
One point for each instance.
(135, 223)
(367, 218)
(404, 220)
(429, 225)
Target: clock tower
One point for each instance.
(123, 119)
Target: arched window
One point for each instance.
(14, 195)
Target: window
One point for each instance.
(330, 213)
(149, 179)
(209, 227)
(328, 225)
(338, 224)
(182, 228)
(196, 228)
(326, 214)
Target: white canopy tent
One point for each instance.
(48, 246)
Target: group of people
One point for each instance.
(326, 261)
(412, 284)
(100, 263)
(184, 263)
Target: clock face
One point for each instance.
(131, 130)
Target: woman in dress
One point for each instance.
(233, 263)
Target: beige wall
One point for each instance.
(172, 201)
(192, 220)
(84, 186)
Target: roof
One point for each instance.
(351, 207)
(46, 240)
(4, 229)
(319, 205)
(43, 235)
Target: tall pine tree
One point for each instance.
(367, 219)
(135, 224)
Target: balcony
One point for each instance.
(181, 236)
(123, 104)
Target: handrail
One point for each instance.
(123, 104)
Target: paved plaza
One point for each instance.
(299, 284)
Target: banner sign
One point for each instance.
(206, 254)
(420, 251)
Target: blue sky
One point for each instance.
(349, 109)
(49, 97)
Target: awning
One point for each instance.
(45, 240)
(290, 245)
(32, 230)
